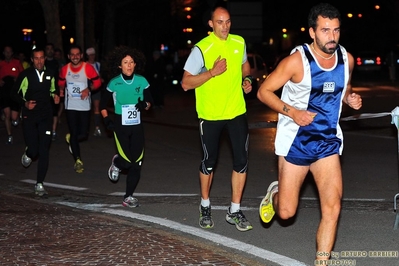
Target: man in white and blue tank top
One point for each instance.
(316, 82)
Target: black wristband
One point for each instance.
(249, 78)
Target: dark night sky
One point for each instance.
(376, 28)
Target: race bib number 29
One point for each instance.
(130, 115)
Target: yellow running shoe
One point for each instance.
(68, 141)
(78, 166)
(266, 209)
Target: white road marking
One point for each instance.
(31, 181)
(224, 208)
(47, 184)
(216, 238)
(154, 194)
(346, 199)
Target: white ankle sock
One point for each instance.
(205, 203)
(235, 207)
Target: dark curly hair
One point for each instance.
(114, 58)
(325, 10)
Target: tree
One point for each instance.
(90, 22)
(108, 41)
(52, 21)
(79, 24)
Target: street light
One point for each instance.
(27, 33)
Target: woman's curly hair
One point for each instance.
(114, 59)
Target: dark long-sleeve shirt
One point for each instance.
(34, 85)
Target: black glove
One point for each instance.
(109, 123)
(141, 105)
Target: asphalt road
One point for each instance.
(169, 190)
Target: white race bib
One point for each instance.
(130, 115)
(328, 87)
(75, 89)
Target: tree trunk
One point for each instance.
(52, 18)
(109, 27)
(90, 22)
(109, 32)
(79, 27)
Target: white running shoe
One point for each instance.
(39, 190)
(130, 202)
(25, 160)
(97, 132)
(113, 171)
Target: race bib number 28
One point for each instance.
(130, 115)
(75, 89)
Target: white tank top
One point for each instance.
(75, 83)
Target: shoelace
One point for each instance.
(205, 211)
(240, 216)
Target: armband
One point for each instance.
(249, 78)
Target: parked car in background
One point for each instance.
(368, 61)
(258, 71)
